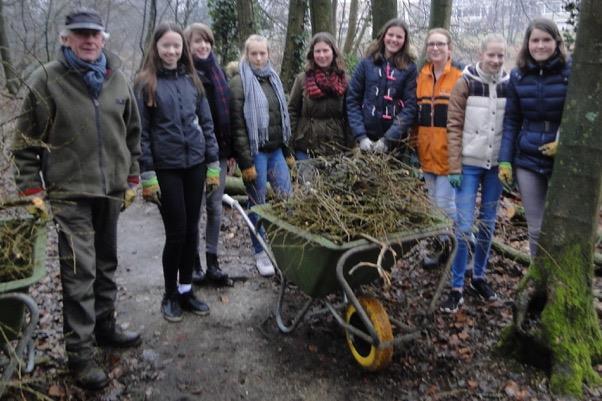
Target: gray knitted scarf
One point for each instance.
(256, 109)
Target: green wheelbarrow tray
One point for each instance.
(13, 302)
(320, 267)
(309, 261)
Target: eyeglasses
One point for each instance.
(436, 44)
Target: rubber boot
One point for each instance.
(214, 273)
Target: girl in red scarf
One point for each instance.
(317, 102)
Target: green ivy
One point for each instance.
(225, 29)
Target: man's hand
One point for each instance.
(150, 187)
(37, 207)
(129, 196)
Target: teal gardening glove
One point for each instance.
(455, 180)
(212, 177)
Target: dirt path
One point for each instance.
(235, 353)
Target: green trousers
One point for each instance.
(87, 244)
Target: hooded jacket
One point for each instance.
(474, 119)
(78, 145)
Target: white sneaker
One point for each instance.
(264, 265)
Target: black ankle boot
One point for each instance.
(88, 374)
(110, 334)
(198, 275)
(214, 273)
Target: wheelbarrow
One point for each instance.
(14, 302)
(319, 268)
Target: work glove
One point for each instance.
(35, 205)
(292, 165)
(380, 146)
(212, 177)
(549, 149)
(505, 173)
(455, 180)
(130, 194)
(366, 144)
(249, 175)
(150, 188)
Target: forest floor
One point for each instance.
(237, 352)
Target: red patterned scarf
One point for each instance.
(318, 84)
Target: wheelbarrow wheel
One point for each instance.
(368, 355)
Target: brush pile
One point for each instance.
(17, 238)
(358, 195)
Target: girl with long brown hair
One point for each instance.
(178, 151)
(381, 98)
(317, 101)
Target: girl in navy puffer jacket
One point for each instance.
(179, 151)
(381, 98)
(536, 94)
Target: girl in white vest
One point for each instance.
(474, 127)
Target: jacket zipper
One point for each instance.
(101, 163)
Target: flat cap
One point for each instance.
(84, 19)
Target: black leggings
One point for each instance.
(181, 195)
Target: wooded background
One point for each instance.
(29, 28)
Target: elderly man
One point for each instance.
(77, 145)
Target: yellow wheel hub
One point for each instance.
(368, 355)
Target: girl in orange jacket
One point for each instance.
(435, 83)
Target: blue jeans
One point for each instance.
(466, 195)
(270, 167)
(441, 193)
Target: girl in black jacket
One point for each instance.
(179, 151)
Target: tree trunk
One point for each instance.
(7, 64)
(333, 16)
(148, 26)
(382, 11)
(351, 27)
(554, 311)
(320, 11)
(246, 20)
(440, 14)
(292, 59)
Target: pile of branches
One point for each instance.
(358, 195)
(17, 238)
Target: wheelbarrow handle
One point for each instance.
(228, 200)
(233, 203)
